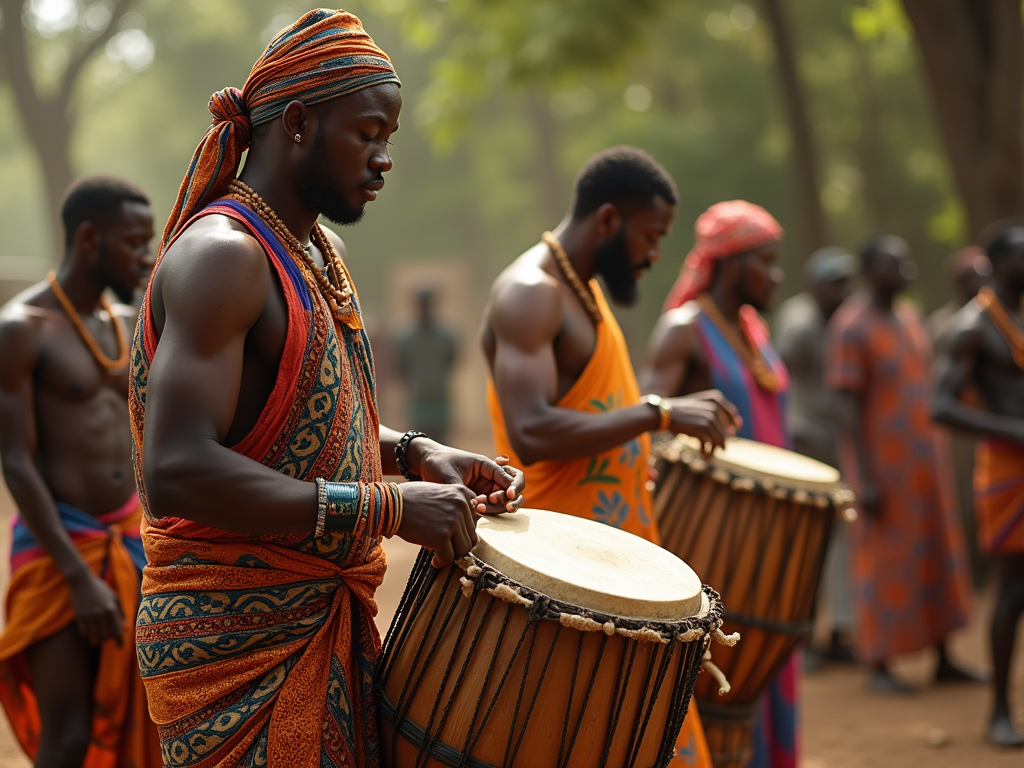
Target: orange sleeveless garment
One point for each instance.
(611, 487)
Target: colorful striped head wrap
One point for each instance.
(323, 55)
(723, 230)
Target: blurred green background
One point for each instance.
(504, 100)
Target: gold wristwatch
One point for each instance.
(664, 409)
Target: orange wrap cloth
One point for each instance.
(324, 55)
(999, 497)
(725, 229)
(260, 650)
(39, 605)
(611, 487)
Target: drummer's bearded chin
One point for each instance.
(318, 191)
(613, 265)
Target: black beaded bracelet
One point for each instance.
(402, 451)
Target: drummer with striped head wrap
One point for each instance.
(259, 453)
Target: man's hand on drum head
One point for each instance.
(440, 518)
(499, 487)
(706, 415)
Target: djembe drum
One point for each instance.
(559, 642)
(755, 522)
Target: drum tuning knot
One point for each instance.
(473, 571)
(723, 639)
(715, 672)
(468, 586)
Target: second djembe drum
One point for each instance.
(560, 642)
(755, 521)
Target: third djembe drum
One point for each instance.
(754, 521)
(559, 643)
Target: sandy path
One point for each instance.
(844, 726)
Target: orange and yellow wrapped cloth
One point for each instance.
(999, 497)
(611, 487)
(39, 605)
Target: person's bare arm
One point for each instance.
(955, 369)
(525, 319)
(213, 291)
(670, 350)
(98, 614)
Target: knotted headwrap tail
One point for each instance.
(323, 55)
(723, 230)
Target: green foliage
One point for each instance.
(691, 82)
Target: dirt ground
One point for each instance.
(843, 726)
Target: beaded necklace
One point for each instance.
(575, 282)
(752, 357)
(339, 298)
(1009, 330)
(83, 332)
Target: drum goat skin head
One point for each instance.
(572, 559)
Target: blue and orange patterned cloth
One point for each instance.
(911, 578)
(763, 414)
(39, 605)
(260, 650)
(999, 496)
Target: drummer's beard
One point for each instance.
(319, 191)
(614, 266)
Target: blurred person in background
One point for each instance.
(712, 335)
(563, 397)
(426, 355)
(986, 351)
(812, 419)
(69, 675)
(969, 271)
(912, 586)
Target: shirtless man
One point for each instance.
(563, 398)
(67, 460)
(985, 349)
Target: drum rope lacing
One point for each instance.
(691, 653)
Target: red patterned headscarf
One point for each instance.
(723, 230)
(323, 55)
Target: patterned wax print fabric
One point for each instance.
(611, 487)
(911, 576)
(999, 497)
(39, 605)
(260, 650)
(763, 413)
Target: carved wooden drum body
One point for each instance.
(558, 642)
(754, 521)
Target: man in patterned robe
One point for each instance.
(910, 573)
(259, 454)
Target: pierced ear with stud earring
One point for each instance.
(298, 137)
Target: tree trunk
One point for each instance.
(813, 229)
(972, 52)
(48, 119)
(553, 198)
(876, 196)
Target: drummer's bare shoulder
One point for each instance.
(525, 306)
(216, 269)
(674, 349)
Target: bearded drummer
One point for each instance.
(562, 395)
(711, 335)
